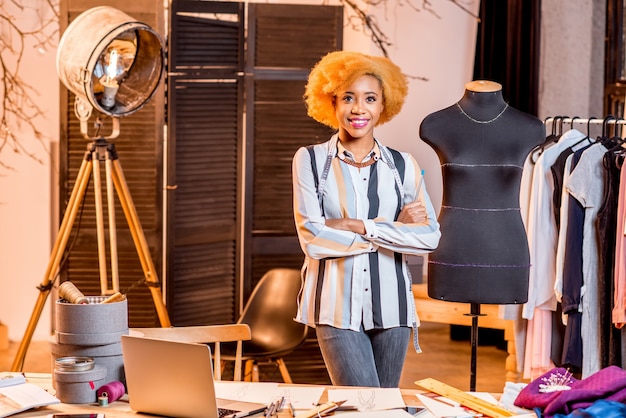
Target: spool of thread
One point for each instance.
(110, 392)
(70, 293)
(115, 297)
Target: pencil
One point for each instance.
(279, 404)
(419, 186)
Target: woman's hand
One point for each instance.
(413, 213)
(347, 224)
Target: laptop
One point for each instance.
(175, 379)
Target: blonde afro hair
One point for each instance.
(336, 71)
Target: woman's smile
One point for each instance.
(358, 123)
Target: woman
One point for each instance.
(359, 208)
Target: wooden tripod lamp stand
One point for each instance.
(112, 63)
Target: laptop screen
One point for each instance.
(172, 378)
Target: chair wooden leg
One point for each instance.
(255, 372)
(222, 366)
(251, 373)
(283, 370)
(247, 374)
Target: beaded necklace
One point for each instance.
(359, 165)
(482, 121)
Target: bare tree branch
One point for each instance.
(360, 18)
(20, 108)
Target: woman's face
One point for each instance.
(358, 108)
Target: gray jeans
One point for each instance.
(366, 358)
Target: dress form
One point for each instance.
(482, 144)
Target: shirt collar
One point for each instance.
(343, 153)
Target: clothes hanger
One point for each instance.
(557, 122)
(588, 125)
(605, 124)
(586, 138)
(617, 144)
(560, 128)
(615, 141)
(604, 139)
(550, 139)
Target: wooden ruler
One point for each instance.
(464, 398)
(321, 410)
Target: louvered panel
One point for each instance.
(205, 102)
(203, 280)
(206, 35)
(204, 204)
(206, 156)
(281, 127)
(280, 34)
(139, 149)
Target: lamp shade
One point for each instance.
(110, 60)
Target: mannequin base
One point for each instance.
(454, 313)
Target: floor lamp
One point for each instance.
(112, 63)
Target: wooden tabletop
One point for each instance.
(121, 408)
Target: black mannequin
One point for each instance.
(482, 144)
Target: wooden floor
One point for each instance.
(443, 358)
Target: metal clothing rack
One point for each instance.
(591, 120)
(609, 122)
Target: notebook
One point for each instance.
(175, 379)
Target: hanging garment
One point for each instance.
(619, 294)
(586, 184)
(514, 312)
(559, 320)
(606, 225)
(573, 280)
(542, 238)
(542, 229)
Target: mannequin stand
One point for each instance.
(474, 313)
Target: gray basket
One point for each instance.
(91, 330)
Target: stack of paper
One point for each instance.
(16, 395)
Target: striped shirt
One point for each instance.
(350, 279)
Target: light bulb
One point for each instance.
(109, 81)
(111, 69)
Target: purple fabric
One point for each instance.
(608, 383)
(531, 398)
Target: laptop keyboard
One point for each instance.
(223, 412)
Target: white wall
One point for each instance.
(26, 214)
(572, 58)
(439, 49)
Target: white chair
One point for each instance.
(205, 334)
